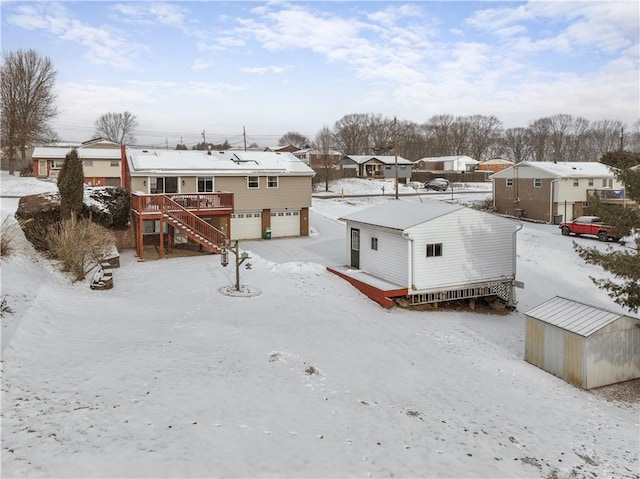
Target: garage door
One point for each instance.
(246, 225)
(285, 223)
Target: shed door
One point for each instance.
(355, 248)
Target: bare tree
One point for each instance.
(484, 131)
(634, 137)
(539, 131)
(324, 146)
(439, 128)
(117, 127)
(604, 136)
(28, 101)
(351, 135)
(294, 138)
(517, 142)
(460, 135)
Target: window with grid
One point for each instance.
(537, 182)
(253, 182)
(272, 181)
(509, 182)
(374, 243)
(205, 184)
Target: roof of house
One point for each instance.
(564, 169)
(463, 158)
(400, 215)
(59, 153)
(184, 162)
(496, 161)
(387, 160)
(573, 316)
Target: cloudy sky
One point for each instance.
(187, 67)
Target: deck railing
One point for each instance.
(194, 202)
(193, 223)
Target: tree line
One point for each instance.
(560, 137)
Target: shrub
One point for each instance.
(115, 206)
(36, 213)
(79, 244)
(8, 232)
(27, 170)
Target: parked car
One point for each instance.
(437, 184)
(589, 225)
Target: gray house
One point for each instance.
(584, 345)
(368, 166)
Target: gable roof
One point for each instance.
(563, 169)
(387, 159)
(400, 215)
(573, 316)
(467, 160)
(143, 162)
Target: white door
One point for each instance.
(246, 225)
(285, 223)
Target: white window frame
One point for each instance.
(251, 180)
(115, 163)
(205, 180)
(374, 244)
(576, 182)
(509, 182)
(270, 179)
(57, 164)
(537, 182)
(435, 249)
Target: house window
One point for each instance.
(434, 249)
(374, 243)
(509, 182)
(115, 162)
(537, 182)
(272, 181)
(576, 182)
(253, 182)
(160, 185)
(57, 164)
(205, 184)
(151, 227)
(590, 180)
(88, 162)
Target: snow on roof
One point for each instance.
(59, 153)
(570, 169)
(573, 316)
(218, 162)
(497, 161)
(387, 160)
(400, 215)
(463, 158)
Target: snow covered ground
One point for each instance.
(164, 376)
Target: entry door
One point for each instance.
(42, 168)
(355, 248)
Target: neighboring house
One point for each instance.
(368, 166)
(242, 195)
(586, 346)
(318, 159)
(286, 149)
(495, 165)
(101, 161)
(553, 192)
(430, 252)
(459, 164)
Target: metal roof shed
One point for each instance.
(584, 345)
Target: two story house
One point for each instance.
(552, 192)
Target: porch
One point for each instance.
(377, 289)
(201, 218)
(611, 197)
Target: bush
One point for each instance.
(79, 244)
(36, 213)
(27, 170)
(115, 206)
(8, 232)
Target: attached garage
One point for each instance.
(586, 346)
(246, 225)
(285, 223)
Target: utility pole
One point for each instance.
(244, 135)
(204, 139)
(395, 150)
(622, 139)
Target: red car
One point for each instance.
(589, 225)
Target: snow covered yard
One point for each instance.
(163, 376)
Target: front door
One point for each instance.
(355, 248)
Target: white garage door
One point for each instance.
(285, 223)
(246, 226)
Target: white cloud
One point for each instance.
(263, 70)
(152, 13)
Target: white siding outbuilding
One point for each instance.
(437, 251)
(586, 346)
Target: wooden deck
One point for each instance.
(377, 289)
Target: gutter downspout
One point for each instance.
(514, 263)
(411, 258)
(551, 195)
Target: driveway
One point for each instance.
(325, 245)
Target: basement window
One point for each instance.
(434, 249)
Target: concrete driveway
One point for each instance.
(326, 245)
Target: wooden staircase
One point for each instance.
(193, 226)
